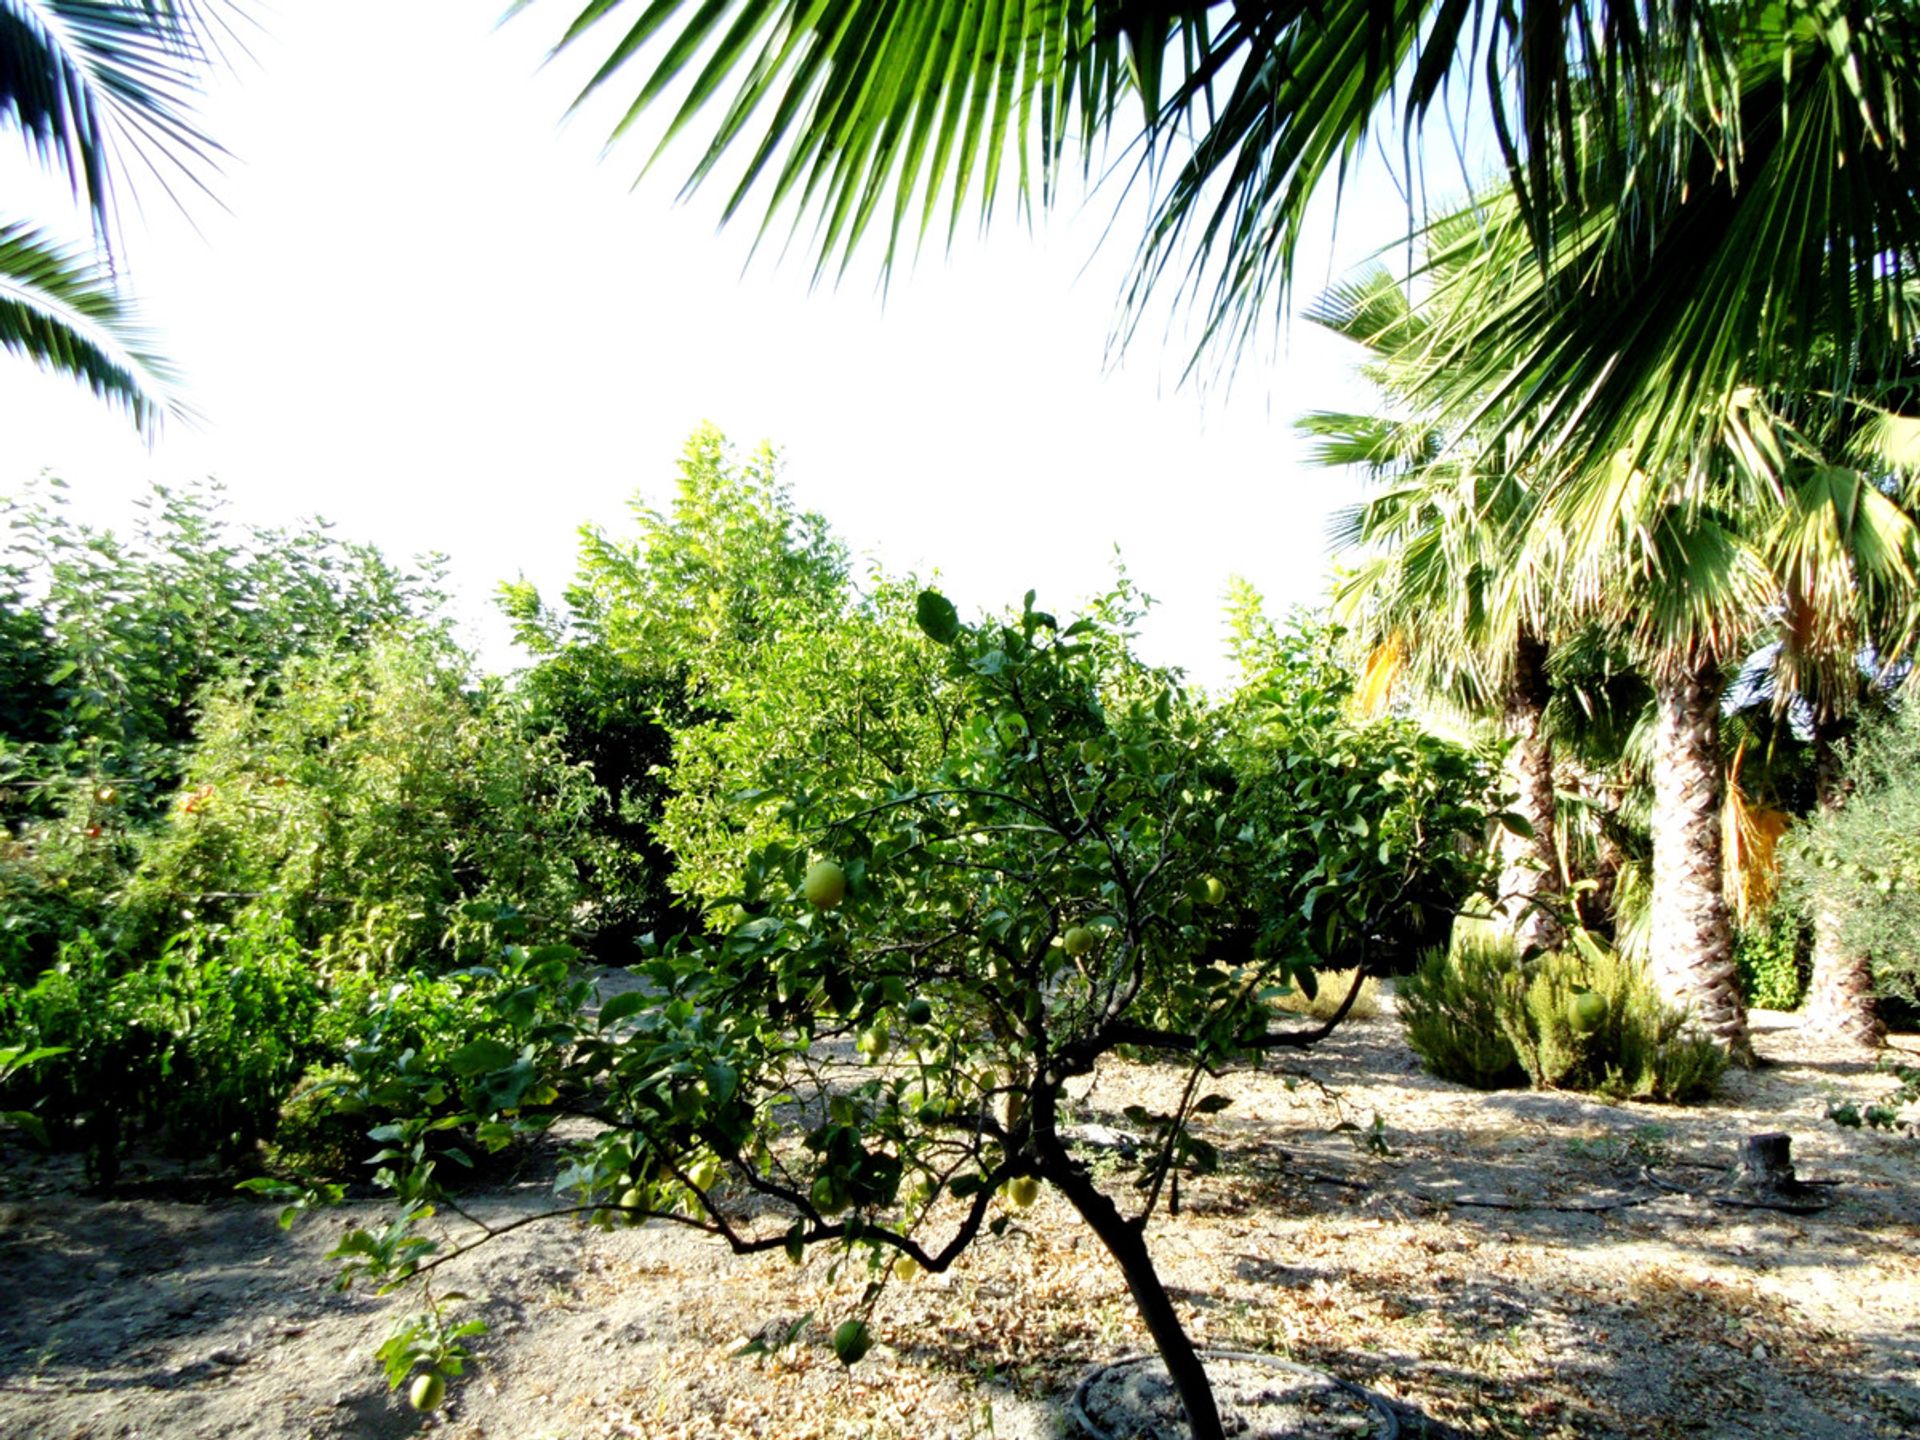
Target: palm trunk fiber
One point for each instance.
(1691, 951)
(1529, 865)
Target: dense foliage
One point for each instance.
(725, 644)
(921, 963)
(251, 793)
(1862, 860)
(1579, 1018)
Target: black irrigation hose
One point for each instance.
(1792, 1203)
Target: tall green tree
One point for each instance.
(93, 88)
(1845, 550)
(1443, 582)
(725, 641)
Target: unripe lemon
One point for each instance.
(829, 1196)
(825, 885)
(428, 1391)
(1587, 1013)
(905, 1267)
(1023, 1191)
(1077, 941)
(1213, 891)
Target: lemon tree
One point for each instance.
(1057, 885)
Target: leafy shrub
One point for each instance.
(1577, 1019)
(198, 1045)
(420, 1049)
(321, 1131)
(1772, 960)
(1639, 1048)
(1452, 1007)
(1860, 862)
(365, 803)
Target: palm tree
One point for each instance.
(1439, 584)
(1753, 149)
(93, 88)
(1846, 550)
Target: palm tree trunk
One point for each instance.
(1839, 1003)
(1691, 947)
(1529, 866)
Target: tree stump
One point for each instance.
(1766, 1162)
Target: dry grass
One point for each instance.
(1334, 985)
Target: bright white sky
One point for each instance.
(435, 315)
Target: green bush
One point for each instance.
(1639, 1048)
(197, 1046)
(1577, 1019)
(321, 1132)
(1451, 1007)
(1859, 864)
(418, 1050)
(1772, 960)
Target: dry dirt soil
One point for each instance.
(1496, 1264)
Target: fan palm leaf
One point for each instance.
(93, 85)
(60, 308)
(1777, 268)
(902, 116)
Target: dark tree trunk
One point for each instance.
(1129, 1250)
(1530, 885)
(1691, 954)
(1839, 1002)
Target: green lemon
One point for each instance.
(825, 885)
(1077, 941)
(428, 1391)
(1023, 1191)
(1587, 1013)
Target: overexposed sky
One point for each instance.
(434, 314)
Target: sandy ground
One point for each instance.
(1503, 1268)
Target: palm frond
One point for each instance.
(1750, 842)
(96, 85)
(1777, 267)
(1384, 665)
(900, 116)
(61, 309)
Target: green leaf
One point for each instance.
(937, 617)
(1212, 1104)
(1515, 823)
(481, 1057)
(628, 1002)
(851, 1342)
(722, 1082)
